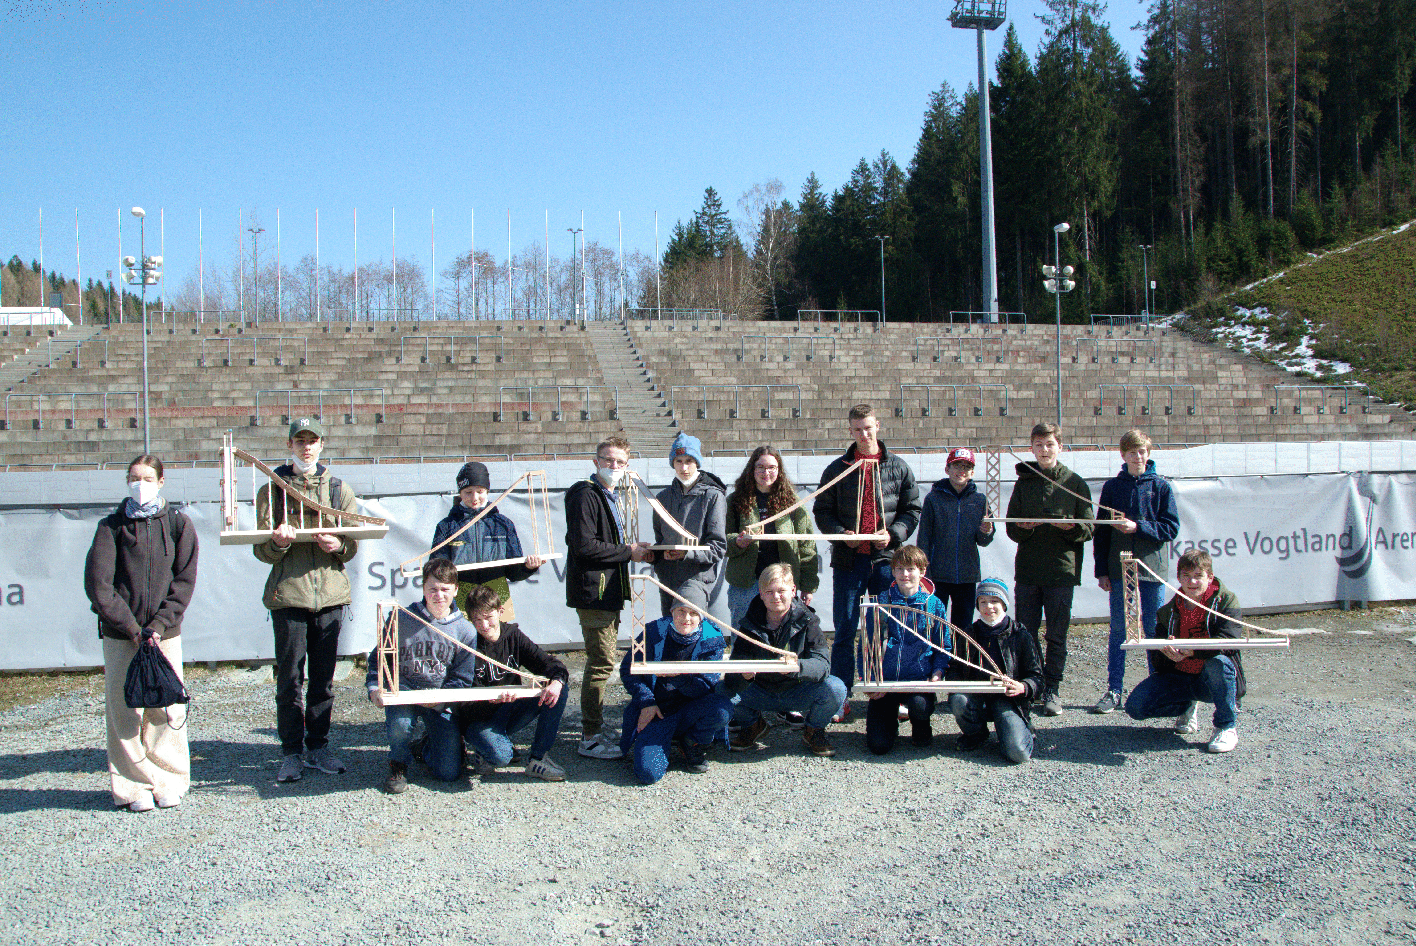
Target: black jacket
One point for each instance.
(597, 562)
(799, 633)
(514, 649)
(835, 509)
(1014, 649)
(140, 573)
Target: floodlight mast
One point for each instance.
(984, 15)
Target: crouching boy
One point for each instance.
(489, 726)
(427, 661)
(1182, 678)
(907, 653)
(1014, 649)
(778, 618)
(681, 708)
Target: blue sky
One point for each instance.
(456, 108)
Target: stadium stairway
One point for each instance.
(643, 415)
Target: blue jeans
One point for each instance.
(738, 601)
(1115, 656)
(972, 711)
(490, 737)
(848, 584)
(1170, 694)
(700, 721)
(443, 752)
(818, 702)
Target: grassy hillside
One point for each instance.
(1346, 316)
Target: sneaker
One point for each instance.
(1223, 740)
(164, 800)
(921, 737)
(1189, 721)
(289, 768)
(142, 803)
(397, 781)
(1051, 703)
(902, 713)
(794, 720)
(747, 736)
(695, 757)
(599, 747)
(844, 714)
(969, 741)
(545, 769)
(324, 760)
(480, 767)
(817, 743)
(416, 747)
(1110, 702)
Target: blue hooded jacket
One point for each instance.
(951, 532)
(906, 656)
(663, 642)
(1149, 502)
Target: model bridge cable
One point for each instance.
(388, 613)
(871, 648)
(315, 518)
(754, 530)
(537, 499)
(627, 498)
(1135, 633)
(992, 491)
(786, 662)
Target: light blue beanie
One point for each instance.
(687, 445)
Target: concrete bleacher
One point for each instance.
(446, 389)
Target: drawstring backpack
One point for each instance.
(152, 683)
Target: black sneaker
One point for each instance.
(1051, 703)
(695, 757)
(921, 737)
(969, 741)
(397, 781)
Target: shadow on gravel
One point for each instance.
(63, 760)
(13, 800)
(1106, 744)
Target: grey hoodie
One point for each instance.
(702, 509)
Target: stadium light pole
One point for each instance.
(1145, 278)
(148, 273)
(983, 16)
(882, 240)
(1056, 282)
(255, 233)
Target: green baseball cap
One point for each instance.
(302, 424)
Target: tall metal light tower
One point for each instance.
(984, 15)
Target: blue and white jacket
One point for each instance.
(663, 642)
(491, 539)
(906, 656)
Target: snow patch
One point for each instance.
(1249, 334)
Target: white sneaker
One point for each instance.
(545, 769)
(1189, 721)
(166, 801)
(598, 747)
(1224, 740)
(141, 803)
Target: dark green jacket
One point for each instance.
(303, 575)
(1048, 555)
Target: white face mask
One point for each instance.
(687, 480)
(143, 492)
(611, 478)
(301, 466)
(1002, 613)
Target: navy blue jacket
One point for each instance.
(1149, 502)
(491, 539)
(661, 642)
(951, 533)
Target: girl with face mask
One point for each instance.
(139, 577)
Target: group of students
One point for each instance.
(141, 572)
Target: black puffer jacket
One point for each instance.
(1014, 649)
(140, 573)
(597, 564)
(799, 633)
(835, 509)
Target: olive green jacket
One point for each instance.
(303, 575)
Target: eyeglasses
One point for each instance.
(613, 462)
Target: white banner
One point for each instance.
(1277, 541)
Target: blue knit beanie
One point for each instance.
(687, 445)
(994, 588)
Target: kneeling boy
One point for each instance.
(1014, 649)
(907, 656)
(1181, 678)
(427, 661)
(489, 727)
(682, 707)
(778, 618)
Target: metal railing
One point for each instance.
(927, 409)
(1143, 318)
(737, 389)
(674, 315)
(1126, 389)
(1115, 344)
(790, 340)
(255, 340)
(452, 341)
(990, 318)
(978, 342)
(79, 351)
(1322, 391)
(841, 315)
(560, 389)
(319, 394)
(73, 396)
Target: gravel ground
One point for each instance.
(1116, 832)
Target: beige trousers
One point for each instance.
(601, 632)
(145, 753)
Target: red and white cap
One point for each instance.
(960, 455)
